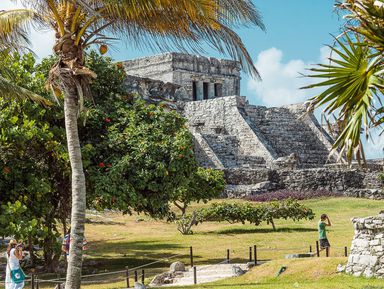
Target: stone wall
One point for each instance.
(182, 69)
(350, 182)
(155, 91)
(367, 250)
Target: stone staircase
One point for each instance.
(208, 273)
(287, 134)
(228, 151)
(231, 133)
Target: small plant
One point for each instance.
(381, 177)
(186, 222)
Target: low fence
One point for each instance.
(140, 273)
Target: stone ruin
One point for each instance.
(367, 251)
(260, 149)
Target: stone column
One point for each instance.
(211, 90)
(199, 90)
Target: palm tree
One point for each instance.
(158, 24)
(13, 36)
(354, 77)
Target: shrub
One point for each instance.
(295, 195)
(186, 222)
(266, 212)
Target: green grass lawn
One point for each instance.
(131, 242)
(118, 241)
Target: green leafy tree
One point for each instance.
(156, 24)
(140, 156)
(203, 185)
(34, 171)
(353, 81)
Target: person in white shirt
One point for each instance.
(14, 255)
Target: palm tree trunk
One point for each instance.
(73, 280)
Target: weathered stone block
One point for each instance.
(367, 251)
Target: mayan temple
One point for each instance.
(259, 148)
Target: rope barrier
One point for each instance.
(155, 262)
(121, 279)
(114, 272)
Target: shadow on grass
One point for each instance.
(109, 255)
(261, 230)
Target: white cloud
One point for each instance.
(282, 80)
(42, 41)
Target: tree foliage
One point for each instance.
(140, 156)
(203, 185)
(256, 214)
(34, 172)
(353, 81)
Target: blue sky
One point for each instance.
(297, 28)
(296, 38)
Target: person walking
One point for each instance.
(323, 223)
(65, 246)
(15, 276)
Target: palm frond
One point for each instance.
(14, 26)
(354, 81)
(9, 90)
(157, 24)
(186, 24)
(369, 16)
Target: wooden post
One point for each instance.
(194, 275)
(142, 276)
(136, 277)
(327, 252)
(255, 254)
(191, 255)
(317, 249)
(345, 251)
(310, 249)
(250, 254)
(127, 275)
(33, 281)
(59, 284)
(228, 256)
(37, 282)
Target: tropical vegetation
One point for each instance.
(354, 77)
(14, 37)
(256, 214)
(137, 157)
(152, 23)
